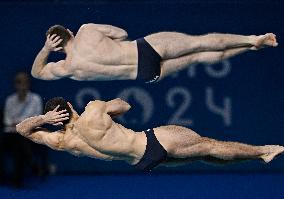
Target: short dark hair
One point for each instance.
(60, 31)
(54, 102)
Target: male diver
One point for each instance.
(102, 53)
(96, 135)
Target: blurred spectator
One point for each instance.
(19, 106)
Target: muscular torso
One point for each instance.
(97, 135)
(97, 57)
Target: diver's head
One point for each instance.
(65, 34)
(63, 105)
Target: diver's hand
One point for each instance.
(51, 43)
(55, 117)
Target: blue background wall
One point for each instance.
(240, 99)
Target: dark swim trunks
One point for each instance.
(154, 153)
(149, 68)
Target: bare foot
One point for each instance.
(269, 39)
(272, 151)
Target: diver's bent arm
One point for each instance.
(40, 62)
(49, 71)
(117, 107)
(26, 127)
(30, 128)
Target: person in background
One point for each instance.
(18, 106)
